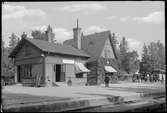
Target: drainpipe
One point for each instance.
(43, 57)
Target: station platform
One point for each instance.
(64, 98)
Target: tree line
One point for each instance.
(153, 58)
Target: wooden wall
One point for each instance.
(34, 58)
(34, 52)
(70, 68)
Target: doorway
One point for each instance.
(19, 74)
(60, 72)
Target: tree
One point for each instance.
(144, 67)
(133, 61)
(153, 57)
(13, 40)
(114, 41)
(123, 46)
(8, 64)
(128, 60)
(5, 61)
(122, 55)
(161, 54)
(157, 52)
(37, 34)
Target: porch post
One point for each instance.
(16, 74)
(43, 66)
(15, 71)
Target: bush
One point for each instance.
(8, 80)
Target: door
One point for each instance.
(59, 72)
(18, 74)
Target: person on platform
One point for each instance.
(106, 80)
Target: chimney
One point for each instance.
(77, 36)
(49, 34)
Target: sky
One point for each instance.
(138, 21)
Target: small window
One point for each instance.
(90, 43)
(80, 75)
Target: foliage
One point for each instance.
(127, 59)
(123, 47)
(13, 40)
(37, 34)
(7, 64)
(153, 57)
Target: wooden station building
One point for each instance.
(83, 59)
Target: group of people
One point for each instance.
(148, 78)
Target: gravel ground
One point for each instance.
(21, 95)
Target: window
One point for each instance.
(27, 50)
(79, 75)
(90, 43)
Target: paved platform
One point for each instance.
(19, 98)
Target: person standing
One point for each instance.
(106, 80)
(147, 77)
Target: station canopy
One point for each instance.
(80, 68)
(109, 69)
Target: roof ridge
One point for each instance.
(96, 33)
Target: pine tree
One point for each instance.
(153, 57)
(123, 48)
(10, 62)
(128, 60)
(13, 40)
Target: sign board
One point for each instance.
(68, 61)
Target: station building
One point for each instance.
(82, 60)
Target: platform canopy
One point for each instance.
(80, 68)
(110, 69)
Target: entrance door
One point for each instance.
(18, 74)
(58, 72)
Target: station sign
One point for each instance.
(66, 61)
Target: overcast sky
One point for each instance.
(139, 21)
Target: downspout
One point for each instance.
(96, 72)
(43, 57)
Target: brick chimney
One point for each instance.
(77, 36)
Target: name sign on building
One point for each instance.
(68, 61)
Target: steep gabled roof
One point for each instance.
(51, 47)
(94, 43)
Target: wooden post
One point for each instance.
(16, 74)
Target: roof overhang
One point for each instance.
(110, 69)
(18, 46)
